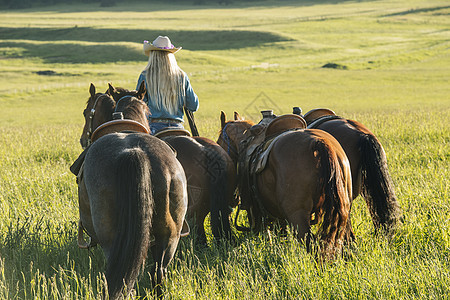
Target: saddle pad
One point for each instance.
(118, 126)
(283, 123)
(172, 131)
(314, 114)
(260, 160)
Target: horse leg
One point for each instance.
(85, 215)
(300, 219)
(163, 252)
(200, 230)
(196, 216)
(350, 235)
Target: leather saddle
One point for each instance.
(104, 129)
(318, 113)
(261, 145)
(283, 123)
(118, 126)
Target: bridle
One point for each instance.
(91, 120)
(227, 140)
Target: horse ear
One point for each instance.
(92, 90)
(223, 118)
(142, 90)
(237, 117)
(111, 90)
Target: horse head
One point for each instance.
(99, 109)
(232, 133)
(119, 92)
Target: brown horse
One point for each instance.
(306, 179)
(132, 196)
(210, 174)
(370, 174)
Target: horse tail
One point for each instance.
(218, 167)
(334, 203)
(378, 190)
(134, 203)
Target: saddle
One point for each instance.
(261, 145)
(318, 116)
(283, 123)
(314, 114)
(118, 126)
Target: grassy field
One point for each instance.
(395, 78)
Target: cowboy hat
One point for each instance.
(161, 43)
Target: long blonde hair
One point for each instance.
(165, 80)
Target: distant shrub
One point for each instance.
(335, 66)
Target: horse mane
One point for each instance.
(119, 92)
(123, 91)
(133, 108)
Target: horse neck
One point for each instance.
(103, 113)
(136, 113)
(121, 92)
(237, 136)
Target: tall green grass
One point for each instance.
(239, 58)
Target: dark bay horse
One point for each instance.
(210, 174)
(306, 179)
(132, 197)
(370, 174)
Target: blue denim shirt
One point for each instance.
(190, 101)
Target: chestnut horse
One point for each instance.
(306, 180)
(133, 196)
(370, 174)
(210, 174)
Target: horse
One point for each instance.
(210, 173)
(132, 195)
(368, 163)
(306, 179)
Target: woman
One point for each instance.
(168, 87)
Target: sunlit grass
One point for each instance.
(241, 57)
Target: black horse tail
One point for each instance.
(334, 203)
(218, 167)
(378, 190)
(134, 205)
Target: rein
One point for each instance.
(117, 103)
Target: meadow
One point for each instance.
(393, 75)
